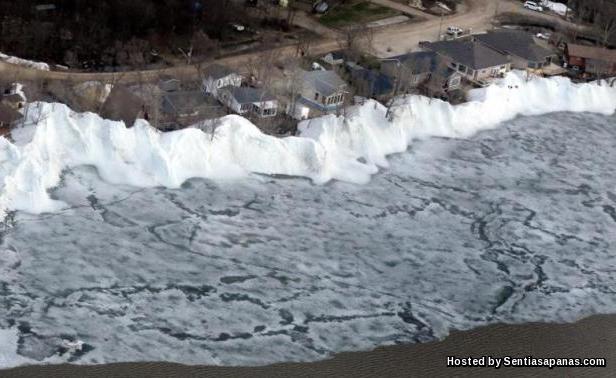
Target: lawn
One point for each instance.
(356, 13)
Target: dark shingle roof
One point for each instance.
(379, 83)
(516, 43)
(471, 54)
(418, 62)
(248, 95)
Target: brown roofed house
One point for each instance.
(594, 60)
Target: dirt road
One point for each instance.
(395, 39)
(404, 9)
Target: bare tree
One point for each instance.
(356, 40)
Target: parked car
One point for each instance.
(238, 27)
(545, 36)
(533, 6)
(454, 30)
(320, 7)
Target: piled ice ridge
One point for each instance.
(349, 148)
(24, 62)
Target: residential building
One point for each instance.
(593, 60)
(371, 83)
(184, 108)
(13, 100)
(475, 61)
(422, 69)
(320, 92)
(412, 69)
(123, 105)
(245, 100)
(520, 46)
(216, 77)
(442, 81)
(8, 116)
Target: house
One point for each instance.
(371, 83)
(442, 81)
(412, 69)
(8, 116)
(520, 46)
(425, 69)
(186, 107)
(593, 60)
(243, 100)
(123, 105)
(321, 92)
(216, 77)
(14, 100)
(473, 60)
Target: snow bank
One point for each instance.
(24, 62)
(347, 148)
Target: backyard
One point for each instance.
(356, 12)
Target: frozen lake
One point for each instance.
(516, 224)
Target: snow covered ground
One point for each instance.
(348, 148)
(24, 62)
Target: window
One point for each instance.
(269, 112)
(454, 82)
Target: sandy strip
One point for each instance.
(591, 337)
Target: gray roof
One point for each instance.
(249, 95)
(217, 71)
(471, 54)
(417, 62)
(184, 102)
(515, 42)
(325, 82)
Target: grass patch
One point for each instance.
(356, 13)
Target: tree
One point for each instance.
(356, 40)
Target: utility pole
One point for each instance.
(440, 26)
(495, 14)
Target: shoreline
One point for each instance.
(594, 336)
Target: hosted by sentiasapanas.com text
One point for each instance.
(528, 361)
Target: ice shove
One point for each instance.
(348, 148)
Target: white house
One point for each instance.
(217, 77)
(243, 100)
(321, 92)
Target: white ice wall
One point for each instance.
(347, 148)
